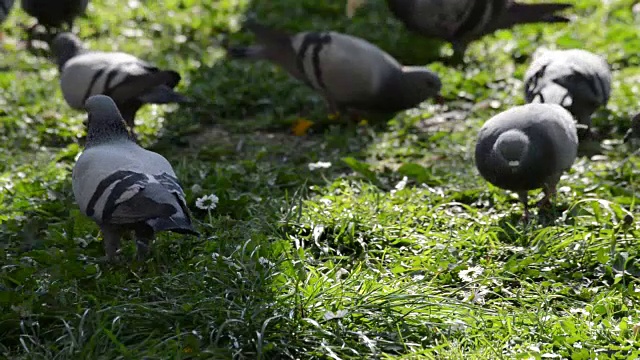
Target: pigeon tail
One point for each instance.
(180, 225)
(163, 95)
(512, 146)
(518, 13)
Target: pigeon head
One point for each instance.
(417, 84)
(65, 46)
(512, 147)
(105, 122)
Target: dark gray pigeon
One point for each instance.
(124, 187)
(578, 80)
(350, 73)
(55, 13)
(129, 81)
(527, 147)
(463, 21)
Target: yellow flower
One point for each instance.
(363, 122)
(188, 350)
(300, 126)
(333, 116)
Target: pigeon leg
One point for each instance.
(524, 198)
(144, 237)
(111, 239)
(458, 54)
(549, 193)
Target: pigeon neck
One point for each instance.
(101, 132)
(512, 147)
(554, 94)
(68, 54)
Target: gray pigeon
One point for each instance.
(463, 21)
(578, 80)
(5, 9)
(527, 147)
(129, 81)
(124, 187)
(351, 73)
(55, 13)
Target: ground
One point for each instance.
(397, 250)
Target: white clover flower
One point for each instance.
(319, 165)
(402, 184)
(471, 273)
(207, 202)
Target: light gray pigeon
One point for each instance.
(350, 73)
(55, 13)
(527, 147)
(124, 187)
(129, 81)
(5, 9)
(463, 21)
(578, 80)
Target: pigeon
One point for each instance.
(350, 73)
(129, 81)
(54, 13)
(527, 147)
(576, 79)
(124, 187)
(463, 21)
(634, 130)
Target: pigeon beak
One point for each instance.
(513, 164)
(352, 6)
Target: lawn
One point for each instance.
(350, 242)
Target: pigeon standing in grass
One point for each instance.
(463, 21)
(578, 80)
(54, 13)
(124, 187)
(527, 147)
(350, 73)
(129, 81)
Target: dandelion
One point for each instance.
(319, 165)
(207, 202)
(471, 273)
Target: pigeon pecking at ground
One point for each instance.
(351, 73)
(54, 13)
(527, 147)
(462, 21)
(129, 81)
(578, 80)
(124, 187)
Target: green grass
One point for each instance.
(399, 250)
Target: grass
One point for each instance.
(398, 250)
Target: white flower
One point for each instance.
(319, 165)
(471, 273)
(580, 311)
(207, 202)
(401, 185)
(196, 188)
